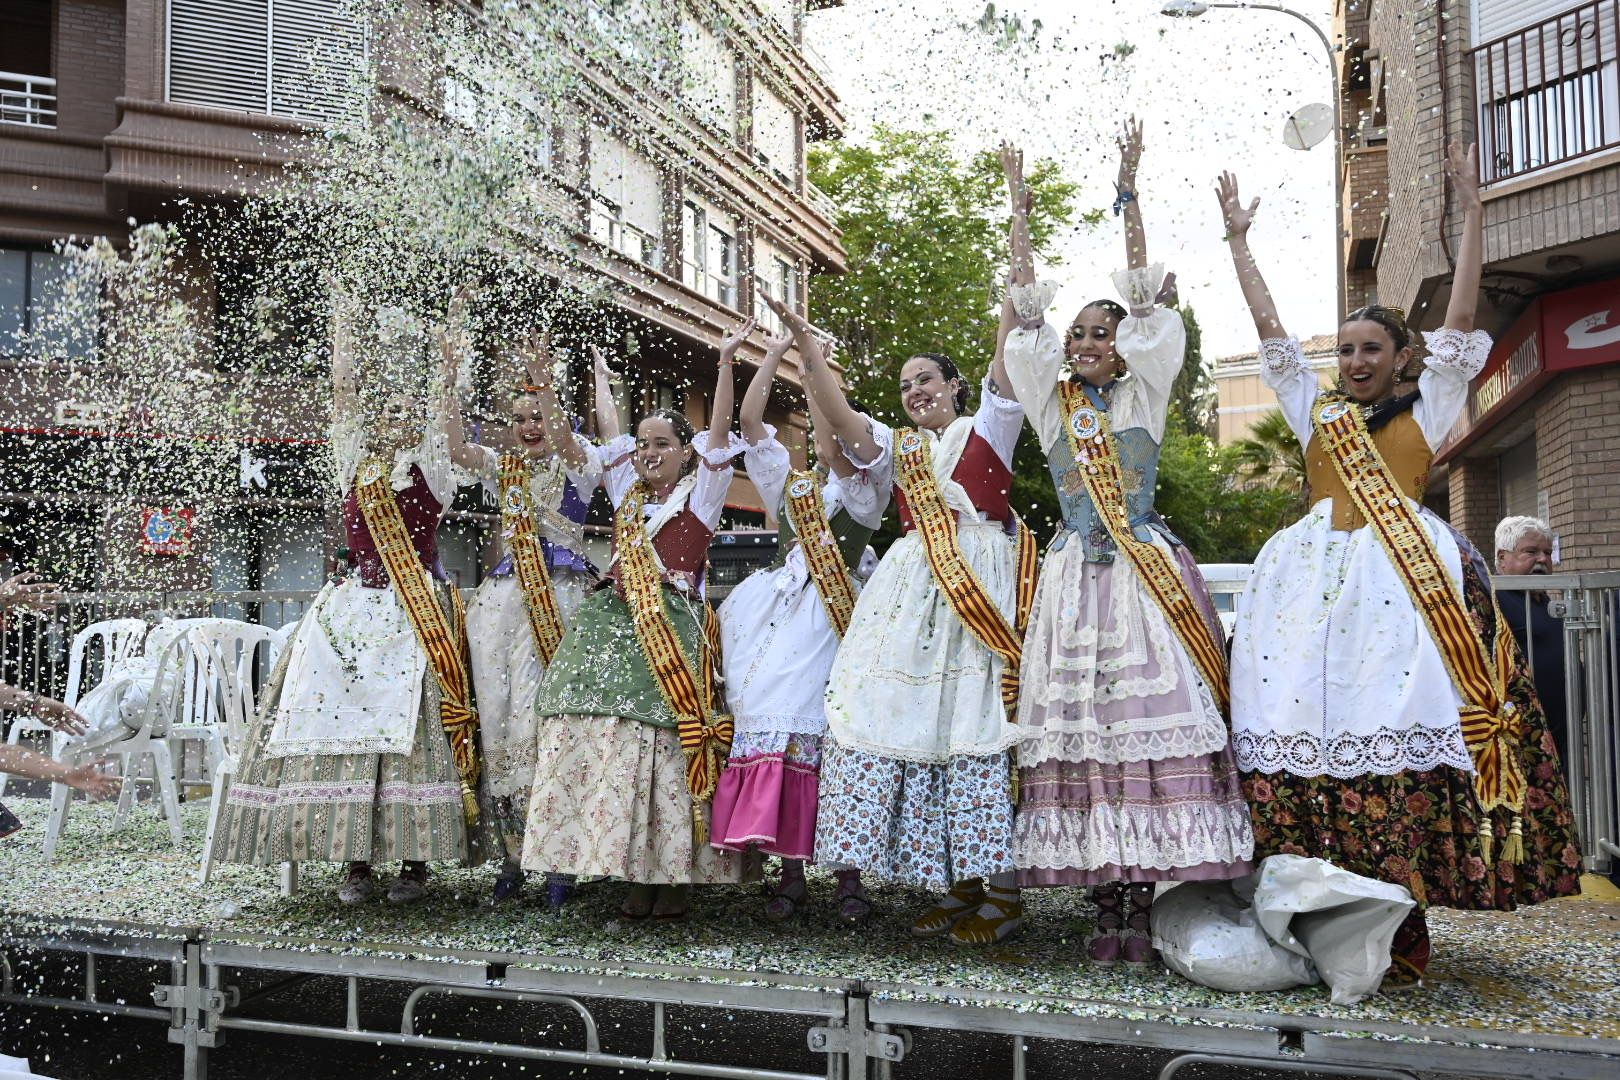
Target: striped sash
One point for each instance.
(443, 639)
(1096, 459)
(1491, 727)
(528, 557)
(705, 734)
(963, 590)
(808, 513)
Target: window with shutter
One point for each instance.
(293, 58)
(315, 53)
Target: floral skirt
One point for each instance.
(1422, 829)
(913, 822)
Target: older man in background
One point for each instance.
(1524, 546)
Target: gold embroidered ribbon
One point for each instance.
(443, 639)
(963, 590)
(1491, 726)
(529, 557)
(1096, 460)
(822, 555)
(705, 734)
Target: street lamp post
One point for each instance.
(1187, 9)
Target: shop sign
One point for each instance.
(86, 414)
(166, 530)
(279, 470)
(1583, 326)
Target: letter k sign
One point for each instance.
(252, 471)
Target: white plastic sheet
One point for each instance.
(1296, 921)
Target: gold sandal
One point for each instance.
(982, 929)
(939, 920)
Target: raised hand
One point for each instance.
(733, 341)
(1237, 218)
(1462, 172)
(93, 782)
(599, 364)
(777, 345)
(539, 362)
(1129, 142)
(1012, 166)
(26, 590)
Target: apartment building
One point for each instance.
(1536, 83)
(111, 111)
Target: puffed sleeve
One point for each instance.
(1283, 368)
(1454, 359)
(877, 467)
(714, 473)
(1033, 357)
(588, 476)
(432, 456)
(348, 446)
(1152, 341)
(487, 471)
(768, 465)
(613, 463)
(998, 422)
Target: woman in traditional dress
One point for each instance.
(779, 633)
(363, 749)
(1396, 739)
(628, 703)
(1126, 777)
(516, 620)
(916, 781)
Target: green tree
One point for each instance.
(1193, 394)
(1270, 456)
(1206, 501)
(926, 234)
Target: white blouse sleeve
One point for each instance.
(998, 422)
(1033, 357)
(1454, 359)
(588, 477)
(613, 463)
(348, 446)
(714, 474)
(1152, 341)
(1283, 368)
(486, 472)
(432, 456)
(768, 465)
(878, 466)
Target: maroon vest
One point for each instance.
(682, 546)
(982, 475)
(421, 513)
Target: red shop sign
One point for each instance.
(1582, 326)
(166, 530)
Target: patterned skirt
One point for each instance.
(1422, 829)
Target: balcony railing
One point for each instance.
(1549, 92)
(27, 99)
(820, 201)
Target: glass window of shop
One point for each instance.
(43, 315)
(1516, 472)
(256, 551)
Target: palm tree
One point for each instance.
(1270, 456)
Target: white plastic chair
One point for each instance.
(120, 639)
(148, 742)
(230, 654)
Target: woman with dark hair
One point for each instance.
(780, 631)
(1380, 711)
(516, 620)
(916, 783)
(1126, 776)
(631, 737)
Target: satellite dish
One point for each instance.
(1308, 126)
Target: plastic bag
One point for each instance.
(1207, 932)
(1342, 921)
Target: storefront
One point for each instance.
(1540, 433)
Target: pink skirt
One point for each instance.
(767, 797)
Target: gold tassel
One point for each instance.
(700, 825)
(1513, 850)
(1485, 836)
(469, 803)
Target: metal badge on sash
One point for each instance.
(911, 442)
(802, 487)
(1333, 410)
(372, 472)
(1085, 423)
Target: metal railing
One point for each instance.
(820, 201)
(27, 99)
(1549, 92)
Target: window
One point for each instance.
(253, 550)
(626, 200)
(632, 30)
(468, 102)
(777, 277)
(27, 91)
(269, 320)
(43, 314)
(709, 258)
(776, 136)
(710, 79)
(293, 58)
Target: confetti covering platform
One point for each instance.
(1534, 992)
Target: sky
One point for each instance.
(1212, 92)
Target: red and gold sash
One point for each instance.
(443, 639)
(1096, 459)
(529, 558)
(822, 555)
(1491, 726)
(704, 732)
(963, 590)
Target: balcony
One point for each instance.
(27, 99)
(1549, 93)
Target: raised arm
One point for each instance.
(725, 385)
(751, 417)
(453, 349)
(1462, 172)
(843, 422)
(607, 402)
(1125, 198)
(1021, 267)
(1258, 297)
(540, 366)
